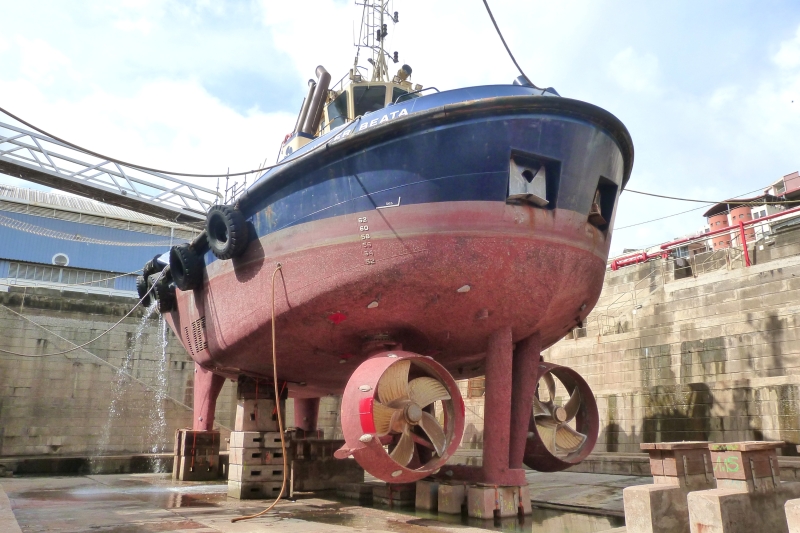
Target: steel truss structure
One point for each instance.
(41, 159)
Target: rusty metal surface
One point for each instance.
(530, 269)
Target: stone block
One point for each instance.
(395, 495)
(452, 497)
(249, 490)
(324, 474)
(427, 495)
(740, 511)
(684, 464)
(749, 465)
(361, 492)
(487, 502)
(525, 500)
(792, 509)
(656, 509)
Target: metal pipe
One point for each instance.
(301, 118)
(311, 122)
(744, 244)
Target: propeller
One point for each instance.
(400, 408)
(553, 421)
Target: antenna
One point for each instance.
(375, 19)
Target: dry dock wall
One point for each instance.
(76, 404)
(712, 357)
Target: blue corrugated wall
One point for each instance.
(23, 246)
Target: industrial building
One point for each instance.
(52, 240)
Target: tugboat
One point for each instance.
(421, 237)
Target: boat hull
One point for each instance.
(410, 237)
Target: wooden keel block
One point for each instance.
(203, 468)
(256, 415)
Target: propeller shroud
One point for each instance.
(561, 433)
(386, 418)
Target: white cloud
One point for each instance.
(788, 55)
(4, 45)
(723, 96)
(139, 25)
(635, 72)
(320, 36)
(41, 62)
(174, 125)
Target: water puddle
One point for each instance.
(165, 497)
(541, 521)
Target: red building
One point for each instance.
(728, 214)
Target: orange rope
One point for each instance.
(280, 419)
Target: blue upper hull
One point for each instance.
(446, 147)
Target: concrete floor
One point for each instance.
(150, 503)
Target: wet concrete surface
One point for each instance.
(150, 503)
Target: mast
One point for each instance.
(375, 19)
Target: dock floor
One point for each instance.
(150, 503)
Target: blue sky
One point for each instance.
(706, 88)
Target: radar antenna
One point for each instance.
(375, 19)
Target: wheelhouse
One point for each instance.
(349, 99)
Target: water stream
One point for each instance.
(122, 380)
(157, 430)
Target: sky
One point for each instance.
(709, 90)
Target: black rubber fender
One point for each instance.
(164, 292)
(227, 231)
(141, 288)
(151, 267)
(186, 267)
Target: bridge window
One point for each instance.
(337, 111)
(397, 92)
(368, 99)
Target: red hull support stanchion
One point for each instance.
(497, 412)
(523, 383)
(207, 387)
(505, 406)
(306, 414)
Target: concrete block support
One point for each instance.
(792, 508)
(427, 497)
(360, 492)
(489, 502)
(750, 496)
(748, 466)
(677, 468)
(196, 455)
(452, 497)
(401, 495)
